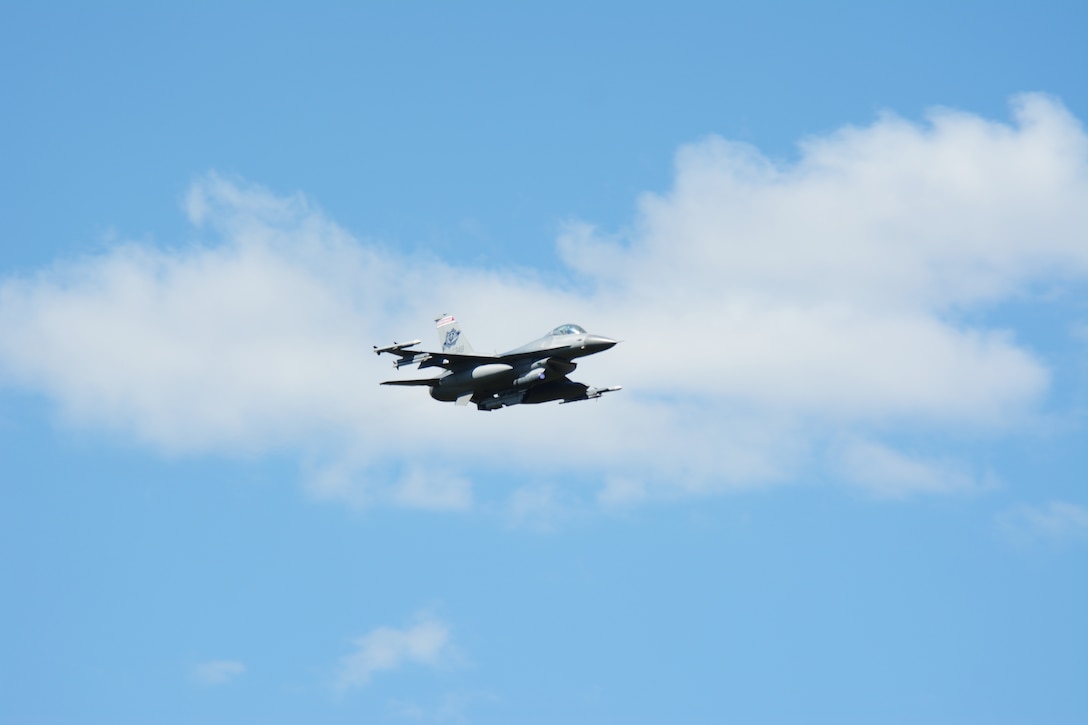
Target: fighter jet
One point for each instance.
(533, 373)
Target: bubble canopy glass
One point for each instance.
(568, 330)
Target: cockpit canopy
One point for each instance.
(567, 330)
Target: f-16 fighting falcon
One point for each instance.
(533, 373)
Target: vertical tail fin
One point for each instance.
(450, 337)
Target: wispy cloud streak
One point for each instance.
(1054, 521)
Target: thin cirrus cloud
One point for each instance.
(218, 672)
(768, 313)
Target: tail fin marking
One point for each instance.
(450, 336)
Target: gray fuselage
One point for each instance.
(533, 373)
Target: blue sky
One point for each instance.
(845, 248)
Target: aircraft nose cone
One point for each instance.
(597, 343)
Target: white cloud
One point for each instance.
(422, 489)
(1054, 521)
(387, 648)
(765, 309)
(218, 672)
(621, 491)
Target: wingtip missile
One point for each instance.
(396, 347)
(593, 394)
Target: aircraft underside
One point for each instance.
(492, 399)
(496, 386)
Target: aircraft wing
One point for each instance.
(450, 361)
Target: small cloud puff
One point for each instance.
(387, 648)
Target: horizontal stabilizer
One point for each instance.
(429, 382)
